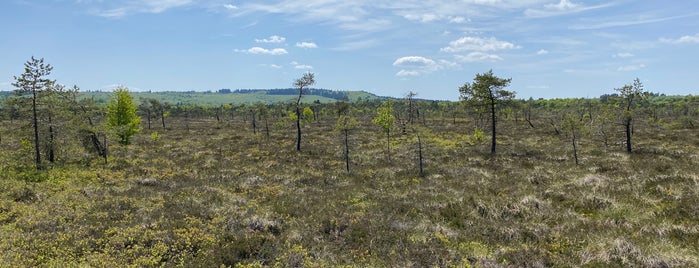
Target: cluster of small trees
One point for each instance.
(59, 117)
(486, 95)
(51, 108)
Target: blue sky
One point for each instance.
(550, 48)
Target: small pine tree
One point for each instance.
(308, 79)
(33, 81)
(630, 96)
(487, 91)
(344, 124)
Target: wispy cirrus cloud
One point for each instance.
(561, 8)
(478, 57)
(407, 73)
(356, 45)
(303, 67)
(300, 66)
(230, 7)
(623, 22)
(622, 55)
(433, 17)
(306, 45)
(263, 51)
(273, 66)
(467, 43)
(687, 39)
(274, 39)
(117, 9)
(632, 67)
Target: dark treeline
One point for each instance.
(333, 94)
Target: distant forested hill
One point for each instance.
(240, 96)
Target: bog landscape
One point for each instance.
(305, 177)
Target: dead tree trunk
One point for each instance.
(419, 147)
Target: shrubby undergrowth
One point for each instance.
(215, 194)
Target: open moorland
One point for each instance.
(206, 193)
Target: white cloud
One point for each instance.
(433, 17)
(687, 39)
(230, 7)
(478, 57)
(417, 65)
(275, 39)
(111, 13)
(303, 66)
(622, 55)
(629, 68)
(542, 52)
(300, 66)
(264, 51)
(477, 44)
(422, 17)
(561, 8)
(407, 73)
(273, 66)
(631, 21)
(140, 6)
(157, 6)
(373, 16)
(414, 61)
(563, 5)
(458, 20)
(445, 64)
(348, 15)
(306, 45)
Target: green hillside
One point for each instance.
(240, 97)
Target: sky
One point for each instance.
(550, 48)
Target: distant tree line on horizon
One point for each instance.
(56, 116)
(328, 93)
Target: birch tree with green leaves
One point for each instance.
(385, 119)
(121, 115)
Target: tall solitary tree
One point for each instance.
(487, 90)
(121, 115)
(308, 79)
(630, 95)
(33, 81)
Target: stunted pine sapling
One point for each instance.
(573, 127)
(308, 79)
(344, 124)
(631, 96)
